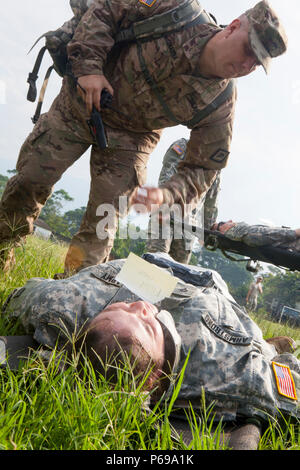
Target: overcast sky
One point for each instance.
(261, 181)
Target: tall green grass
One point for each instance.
(45, 408)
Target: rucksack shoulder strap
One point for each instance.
(163, 23)
(203, 113)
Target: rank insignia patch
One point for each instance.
(149, 3)
(284, 381)
(219, 156)
(177, 149)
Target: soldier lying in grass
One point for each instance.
(183, 75)
(227, 356)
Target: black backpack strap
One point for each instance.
(151, 82)
(203, 113)
(42, 95)
(33, 76)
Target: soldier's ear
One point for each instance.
(232, 27)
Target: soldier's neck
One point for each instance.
(206, 64)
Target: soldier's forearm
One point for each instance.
(186, 187)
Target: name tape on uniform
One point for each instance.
(223, 334)
(146, 280)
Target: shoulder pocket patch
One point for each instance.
(220, 156)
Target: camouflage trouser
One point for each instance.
(204, 215)
(164, 239)
(252, 303)
(175, 248)
(59, 138)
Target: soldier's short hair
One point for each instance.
(109, 353)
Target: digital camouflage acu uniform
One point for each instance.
(181, 248)
(134, 126)
(260, 235)
(229, 359)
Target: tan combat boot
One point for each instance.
(283, 344)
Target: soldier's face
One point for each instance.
(235, 57)
(137, 319)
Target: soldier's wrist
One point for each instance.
(88, 67)
(167, 197)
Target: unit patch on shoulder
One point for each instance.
(220, 156)
(149, 3)
(177, 149)
(284, 381)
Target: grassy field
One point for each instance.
(42, 408)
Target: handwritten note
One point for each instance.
(146, 280)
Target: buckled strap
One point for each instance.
(203, 113)
(41, 97)
(154, 85)
(33, 76)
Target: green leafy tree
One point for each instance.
(3, 181)
(123, 246)
(73, 219)
(284, 287)
(52, 212)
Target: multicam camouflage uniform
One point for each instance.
(229, 358)
(62, 135)
(134, 126)
(181, 248)
(262, 235)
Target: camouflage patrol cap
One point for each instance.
(267, 35)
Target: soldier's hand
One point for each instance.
(147, 197)
(90, 88)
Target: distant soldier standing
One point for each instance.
(158, 81)
(253, 292)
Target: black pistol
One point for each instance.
(96, 124)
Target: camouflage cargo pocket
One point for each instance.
(39, 130)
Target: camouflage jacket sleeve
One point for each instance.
(173, 156)
(94, 36)
(259, 235)
(210, 204)
(207, 152)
